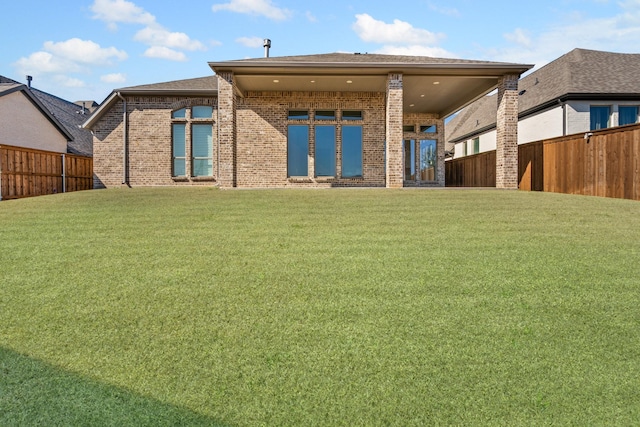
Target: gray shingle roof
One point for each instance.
(208, 83)
(579, 73)
(364, 58)
(69, 115)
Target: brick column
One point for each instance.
(507, 132)
(394, 117)
(226, 130)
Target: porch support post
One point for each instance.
(507, 132)
(226, 129)
(394, 120)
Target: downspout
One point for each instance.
(124, 138)
(564, 116)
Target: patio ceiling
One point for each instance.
(428, 88)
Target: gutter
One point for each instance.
(124, 138)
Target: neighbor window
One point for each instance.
(599, 115)
(627, 115)
(476, 145)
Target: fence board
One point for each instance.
(26, 172)
(606, 164)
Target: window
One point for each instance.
(627, 115)
(325, 150)
(178, 149)
(298, 115)
(325, 115)
(352, 115)
(325, 136)
(298, 150)
(200, 153)
(428, 159)
(202, 112)
(351, 151)
(476, 145)
(428, 128)
(599, 116)
(409, 159)
(408, 128)
(201, 150)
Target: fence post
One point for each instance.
(64, 174)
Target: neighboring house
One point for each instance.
(67, 114)
(316, 120)
(582, 90)
(26, 122)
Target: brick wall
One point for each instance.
(394, 121)
(507, 133)
(262, 137)
(149, 142)
(259, 127)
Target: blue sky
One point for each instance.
(82, 49)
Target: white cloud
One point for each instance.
(67, 81)
(519, 36)
(251, 41)
(84, 52)
(162, 52)
(255, 7)
(158, 36)
(618, 33)
(448, 11)
(162, 43)
(310, 16)
(416, 50)
(70, 56)
(400, 32)
(115, 11)
(113, 78)
(43, 63)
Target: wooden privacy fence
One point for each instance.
(599, 163)
(25, 172)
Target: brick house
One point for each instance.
(327, 120)
(582, 90)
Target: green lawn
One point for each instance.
(319, 307)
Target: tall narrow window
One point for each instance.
(298, 150)
(599, 115)
(476, 145)
(409, 159)
(325, 150)
(351, 151)
(178, 149)
(627, 115)
(202, 150)
(428, 159)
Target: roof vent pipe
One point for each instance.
(29, 78)
(267, 46)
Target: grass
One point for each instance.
(327, 307)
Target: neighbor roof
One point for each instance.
(579, 74)
(68, 114)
